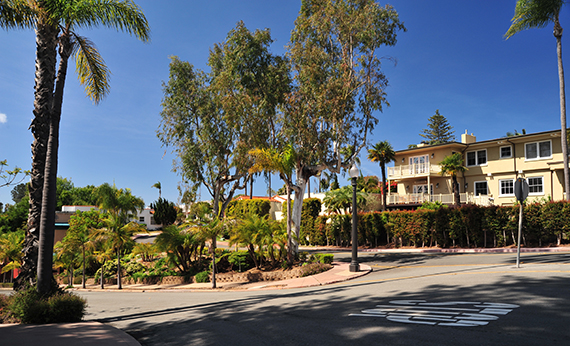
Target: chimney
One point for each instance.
(468, 138)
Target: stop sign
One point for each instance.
(521, 189)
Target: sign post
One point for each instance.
(521, 193)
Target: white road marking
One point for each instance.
(453, 313)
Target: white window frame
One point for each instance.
(417, 166)
(541, 184)
(538, 157)
(476, 152)
(510, 152)
(501, 194)
(480, 182)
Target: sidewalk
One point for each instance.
(99, 334)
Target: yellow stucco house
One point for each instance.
(492, 167)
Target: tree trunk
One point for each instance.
(384, 194)
(563, 132)
(298, 207)
(46, 38)
(102, 275)
(49, 196)
(289, 227)
(83, 278)
(455, 190)
(119, 283)
(214, 262)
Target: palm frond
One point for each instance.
(91, 69)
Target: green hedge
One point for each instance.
(240, 208)
(467, 226)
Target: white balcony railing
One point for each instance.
(443, 198)
(411, 171)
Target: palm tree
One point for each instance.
(453, 165)
(92, 73)
(67, 256)
(537, 14)
(339, 200)
(249, 232)
(159, 187)
(81, 225)
(11, 250)
(383, 153)
(121, 207)
(282, 162)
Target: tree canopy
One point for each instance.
(439, 131)
(211, 120)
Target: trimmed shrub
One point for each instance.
(324, 258)
(29, 307)
(313, 268)
(202, 276)
(240, 208)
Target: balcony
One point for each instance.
(482, 200)
(413, 171)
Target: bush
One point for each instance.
(240, 259)
(323, 258)
(202, 276)
(314, 268)
(29, 307)
(243, 207)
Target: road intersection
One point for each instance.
(501, 305)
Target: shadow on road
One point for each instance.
(320, 316)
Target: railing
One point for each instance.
(443, 198)
(415, 170)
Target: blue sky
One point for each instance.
(452, 58)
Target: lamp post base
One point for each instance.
(354, 267)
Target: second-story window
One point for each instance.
(538, 150)
(506, 152)
(477, 158)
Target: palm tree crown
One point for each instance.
(383, 153)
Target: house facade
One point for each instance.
(492, 168)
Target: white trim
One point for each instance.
(541, 184)
(538, 157)
(501, 194)
(475, 187)
(501, 152)
(477, 158)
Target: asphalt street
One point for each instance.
(408, 299)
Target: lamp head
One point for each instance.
(354, 172)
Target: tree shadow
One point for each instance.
(320, 316)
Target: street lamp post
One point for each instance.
(354, 266)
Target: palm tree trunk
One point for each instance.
(46, 36)
(83, 278)
(289, 230)
(119, 284)
(455, 190)
(563, 131)
(214, 262)
(49, 198)
(102, 275)
(384, 196)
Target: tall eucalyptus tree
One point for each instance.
(338, 83)
(212, 119)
